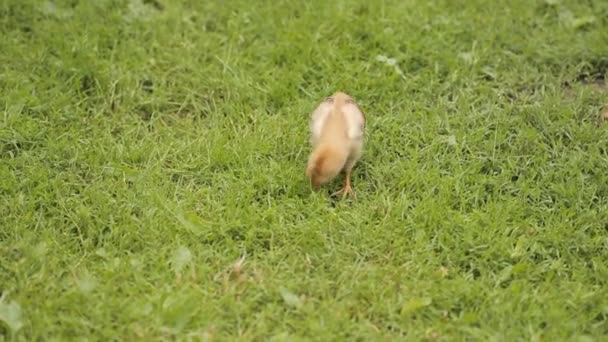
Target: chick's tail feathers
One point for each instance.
(325, 163)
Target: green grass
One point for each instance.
(152, 162)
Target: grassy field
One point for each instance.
(152, 157)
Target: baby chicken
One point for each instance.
(337, 127)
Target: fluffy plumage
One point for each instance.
(337, 128)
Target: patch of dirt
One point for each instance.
(597, 84)
(593, 76)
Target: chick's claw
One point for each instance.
(345, 191)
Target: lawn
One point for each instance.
(152, 158)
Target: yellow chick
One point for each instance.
(337, 128)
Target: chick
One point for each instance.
(337, 128)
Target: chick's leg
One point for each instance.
(346, 189)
